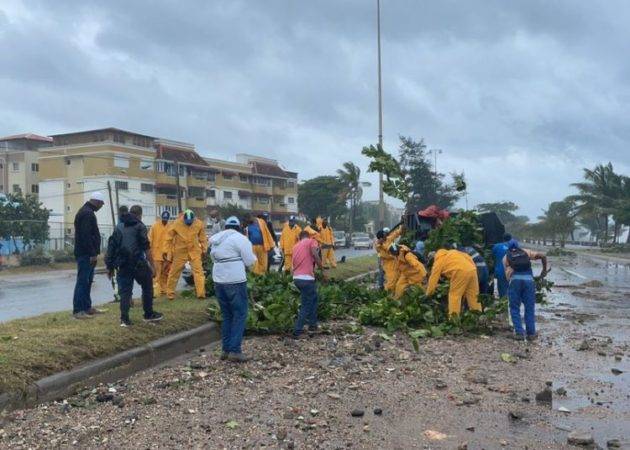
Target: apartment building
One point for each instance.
(157, 174)
(80, 163)
(19, 168)
(181, 172)
(256, 184)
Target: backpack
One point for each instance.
(518, 259)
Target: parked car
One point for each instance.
(340, 240)
(361, 241)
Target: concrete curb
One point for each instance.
(111, 368)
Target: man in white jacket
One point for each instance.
(231, 253)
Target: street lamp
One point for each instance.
(381, 200)
(435, 153)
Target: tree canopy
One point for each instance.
(23, 217)
(324, 195)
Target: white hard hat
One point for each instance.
(98, 195)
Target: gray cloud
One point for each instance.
(533, 87)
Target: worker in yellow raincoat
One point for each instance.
(411, 271)
(460, 269)
(157, 237)
(259, 235)
(327, 243)
(313, 230)
(186, 241)
(389, 262)
(289, 237)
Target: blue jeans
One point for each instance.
(502, 285)
(233, 303)
(308, 305)
(483, 275)
(82, 301)
(125, 278)
(522, 290)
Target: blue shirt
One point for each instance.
(254, 234)
(499, 251)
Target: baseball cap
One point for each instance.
(98, 196)
(233, 220)
(166, 215)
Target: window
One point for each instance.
(1, 166)
(227, 176)
(211, 193)
(291, 200)
(15, 166)
(16, 189)
(197, 192)
(34, 189)
(227, 195)
(34, 167)
(68, 185)
(291, 184)
(141, 141)
(262, 181)
(122, 185)
(68, 162)
(121, 162)
(146, 164)
(212, 176)
(171, 209)
(146, 187)
(244, 178)
(119, 137)
(263, 200)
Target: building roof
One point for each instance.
(181, 156)
(28, 137)
(271, 170)
(98, 130)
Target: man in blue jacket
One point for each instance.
(499, 250)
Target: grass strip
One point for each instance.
(36, 347)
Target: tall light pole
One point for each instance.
(381, 200)
(435, 154)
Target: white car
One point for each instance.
(340, 239)
(361, 241)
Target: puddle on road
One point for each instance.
(598, 400)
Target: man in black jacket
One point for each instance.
(87, 247)
(128, 251)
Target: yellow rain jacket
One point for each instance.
(262, 251)
(460, 269)
(327, 240)
(157, 237)
(186, 243)
(288, 239)
(313, 233)
(389, 261)
(411, 271)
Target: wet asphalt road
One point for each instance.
(32, 294)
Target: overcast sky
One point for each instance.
(521, 95)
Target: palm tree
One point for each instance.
(350, 176)
(598, 194)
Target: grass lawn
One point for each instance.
(39, 346)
